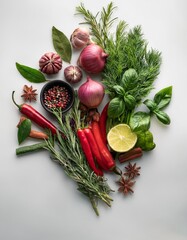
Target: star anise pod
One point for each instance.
(126, 185)
(29, 93)
(132, 170)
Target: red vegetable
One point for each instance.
(94, 148)
(102, 123)
(35, 116)
(105, 153)
(87, 151)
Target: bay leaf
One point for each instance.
(62, 44)
(24, 130)
(31, 74)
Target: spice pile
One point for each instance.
(56, 97)
(86, 142)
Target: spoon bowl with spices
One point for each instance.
(57, 94)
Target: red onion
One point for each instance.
(92, 59)
(91, 93)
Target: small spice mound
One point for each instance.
(29, 93)
(56, 97)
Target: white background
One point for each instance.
(37, 200)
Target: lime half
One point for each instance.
(121, 138)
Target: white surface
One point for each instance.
(37, 201)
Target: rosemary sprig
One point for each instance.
(99, 27)
(67, 151)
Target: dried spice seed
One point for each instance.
(56, 97)
(126, 185)
(132, 171)
(29, 93)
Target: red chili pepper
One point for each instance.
(87, 151)
(105, 153)
(35, 116)
(102, 123)
(94, 148)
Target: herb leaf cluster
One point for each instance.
(159, 102)
(129, 74)
(130, 66)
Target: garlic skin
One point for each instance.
(92, 59)
(91, 93)
(73, 74)
(50, 63)
(80, 38)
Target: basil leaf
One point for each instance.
(129, 79)
(119, 90)
(62, 45)
(130, 101)
(162, 117)
(163, 97)
(140, 121)
(116, 107)
(31, 74)
(150, 104)
(130, 73)
(145, 140)
(24, 130)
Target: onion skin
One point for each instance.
(91, 93)
(92, 59)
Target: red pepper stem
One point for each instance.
(19, 106)
(117, 170)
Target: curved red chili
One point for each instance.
(35, 116)
(87, 151)
(94, 148)
(102, 123)
(105, 153)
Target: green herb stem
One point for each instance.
(31, 148)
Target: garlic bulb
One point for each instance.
(50, 63)
(73, 74)
(80, 38)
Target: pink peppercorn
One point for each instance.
(56, 97)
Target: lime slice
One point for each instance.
(121, 138)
